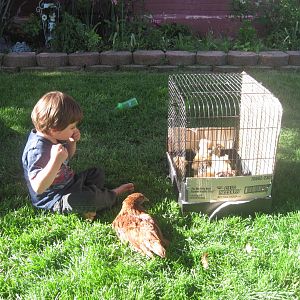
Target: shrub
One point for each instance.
(72, 35)
(33, 32)
(247, 39)
(121, 30)
(280, 19)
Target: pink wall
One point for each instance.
(201, 15)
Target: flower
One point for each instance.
(115, 2)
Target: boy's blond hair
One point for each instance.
(55, 110)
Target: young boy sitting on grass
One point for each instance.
(51, 182)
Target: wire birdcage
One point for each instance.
(223, 132)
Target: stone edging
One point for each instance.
(218, 61)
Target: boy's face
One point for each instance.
(64, 134)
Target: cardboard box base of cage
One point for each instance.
(221, 209)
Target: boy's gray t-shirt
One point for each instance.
(35, 157)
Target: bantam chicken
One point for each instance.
(135, 226)
(202, 159)
(205, 147)
(222, 167)
(218, 150)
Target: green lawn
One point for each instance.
(45, 256)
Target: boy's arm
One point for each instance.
(71, 147)
(46, 176)
(71, 143)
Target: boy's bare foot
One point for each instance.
(89, 216)
(127, 187)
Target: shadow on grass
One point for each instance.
(12, 186)
(286, 187)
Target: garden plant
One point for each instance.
(87, 25)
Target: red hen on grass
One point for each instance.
(135, 226)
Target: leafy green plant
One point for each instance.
(92, 40)
(138, 33)
(185, 43)
(285, 39)
(177, 37)
(247, 32)
(292, 39)
(247, 39)
(173, 30)
(152, 38)
(118, 36)
(133, 42)
(111, 24)
(33, 31)
(72, 35)
(84, 10)
(277, 15)
(279, 19)
(210, 42)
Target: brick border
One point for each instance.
(52, 60)
(141, 60)
(19, 60)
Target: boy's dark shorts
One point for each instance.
(86, 194)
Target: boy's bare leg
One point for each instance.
(127, 187)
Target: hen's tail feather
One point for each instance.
(144, 250)
(156, 247)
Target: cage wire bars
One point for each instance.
(222, 128)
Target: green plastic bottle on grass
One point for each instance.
(127, 104)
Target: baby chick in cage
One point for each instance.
(221, 163)
(211, 161)
(222, 166)
(202, 159)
